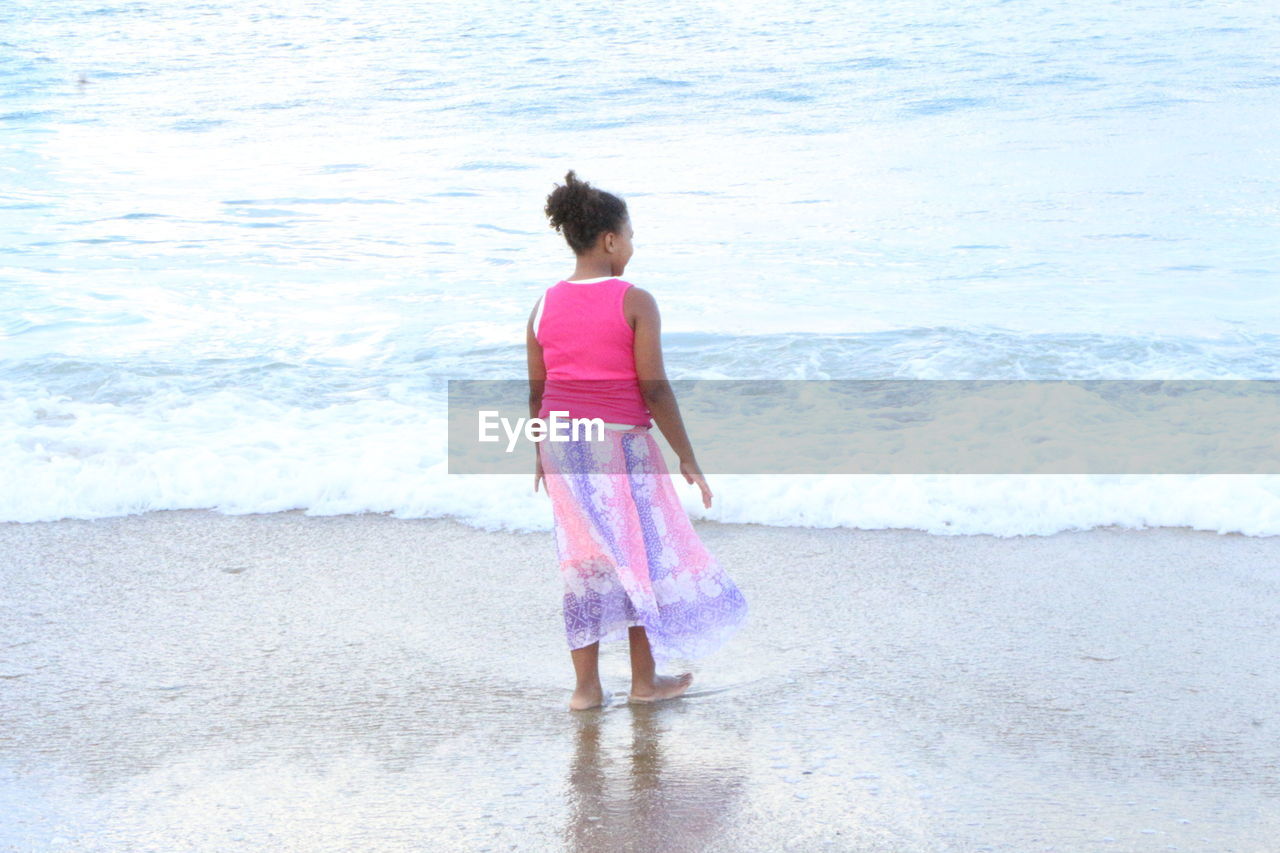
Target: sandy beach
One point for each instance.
(191, 680)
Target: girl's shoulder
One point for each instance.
(635, 291)
(638, 302)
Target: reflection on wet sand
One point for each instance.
(630, 788)
(347, 690)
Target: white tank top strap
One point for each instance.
(537, 317)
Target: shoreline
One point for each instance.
(699, 523)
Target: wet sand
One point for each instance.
(188, 680)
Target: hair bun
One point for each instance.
(581, 212)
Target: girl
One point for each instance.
(631, 561)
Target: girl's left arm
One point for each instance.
(537, 381)
(537, 367)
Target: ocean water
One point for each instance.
(242, 251)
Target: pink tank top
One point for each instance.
(588, 349)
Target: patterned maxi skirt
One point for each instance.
(628, 553)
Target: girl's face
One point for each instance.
(622, 248)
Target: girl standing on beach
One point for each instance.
(631, 562)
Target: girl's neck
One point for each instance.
(586, 269)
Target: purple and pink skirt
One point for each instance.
(628, 553)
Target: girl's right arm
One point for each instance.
(642, 310)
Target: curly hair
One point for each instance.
(582, 213)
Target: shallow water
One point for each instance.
(250, 239)
(189, 680)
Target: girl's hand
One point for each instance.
(537, 472)
(693, 474)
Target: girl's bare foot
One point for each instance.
(586, 697)
(663, 687)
